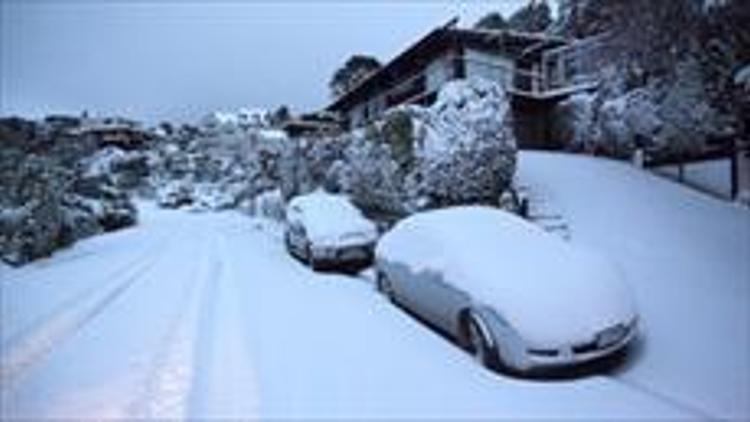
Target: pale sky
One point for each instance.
(182, 59)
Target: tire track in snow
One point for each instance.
(226, 380)
(76, 295)
(169, 383)
(112, 277)
(662, 397)
(23, 351)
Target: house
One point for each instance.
(320, 123)
(119, 132)
(537, 70)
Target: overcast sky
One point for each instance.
(180, 60)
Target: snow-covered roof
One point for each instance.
(549, 290)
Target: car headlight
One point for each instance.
(324, 252)
(611, 335)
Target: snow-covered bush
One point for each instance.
(460, 150)
(54, 193)
(370, 175)
(129, 169)
(215, 170)
(464, 146)
(47, 207)
(668, 117)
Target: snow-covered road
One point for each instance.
(206, 315)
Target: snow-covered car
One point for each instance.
(518, 298)
(327, 230)
(175, 195)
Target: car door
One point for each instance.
(425, 292)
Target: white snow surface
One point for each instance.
(685, 254)
(331, 220)
(206, 315)
(552, 293)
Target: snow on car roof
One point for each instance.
(505, 262)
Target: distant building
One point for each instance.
(313, 124)
(115, 131)
(537, 70)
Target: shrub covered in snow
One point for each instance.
(369, 174)
(215, 170)
(668, 118)
(465, 149)
(460, 150)
(53, 193)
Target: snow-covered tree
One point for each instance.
(465, 148)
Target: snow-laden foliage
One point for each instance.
(667, 115)
(54, 192)
(216, 170)
(465, 149)
(370, 175)
(460, 150)
(673, 81)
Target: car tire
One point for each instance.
(478, 344)
(310, 258)
(383, 285)
(288, 243)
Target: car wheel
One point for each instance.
(288, 243)
(478, 343)
(310, 258)
(383, 285)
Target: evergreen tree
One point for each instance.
(354, 71)
(493, 20)
(536, 16)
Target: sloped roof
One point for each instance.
(435, 43)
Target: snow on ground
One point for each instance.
(207, 315)
(686, 256)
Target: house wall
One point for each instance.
(489, 66)
(438, 72)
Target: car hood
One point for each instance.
(556, 302)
